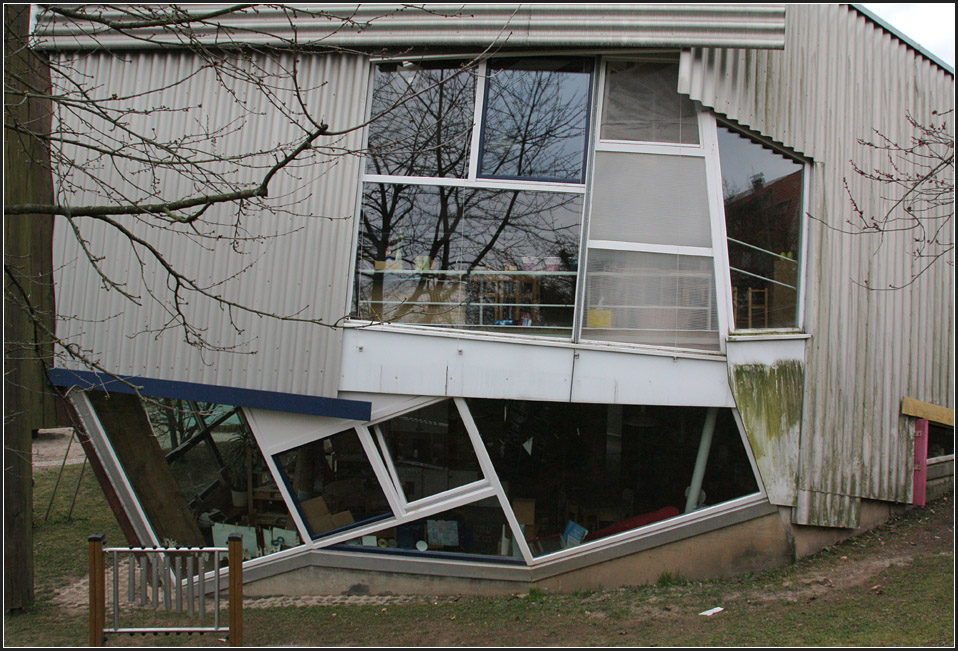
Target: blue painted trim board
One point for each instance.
(233, 396)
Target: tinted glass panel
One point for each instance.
(425, 125)
(430, 451)
(763, 210)
(469, 257)
(575, 473)
(536, 119)
(333, 483)
(641, 103)
(478, 529)
(651, 298)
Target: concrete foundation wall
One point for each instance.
(316, 580)
(746, 547)
(809, 540)
(749, 546)
(754, 545)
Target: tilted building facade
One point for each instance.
(571, 302)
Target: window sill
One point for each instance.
(766, 335)
(555, 342)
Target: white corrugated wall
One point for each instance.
(839, 77)
(296, 258)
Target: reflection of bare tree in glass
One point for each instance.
(535, 120)
(435, 228)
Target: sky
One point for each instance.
(929, 24)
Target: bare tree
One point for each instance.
(917, 177)
(101, 162)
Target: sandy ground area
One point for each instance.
(52, 446)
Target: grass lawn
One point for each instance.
(893, 586)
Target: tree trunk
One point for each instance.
(29, 402)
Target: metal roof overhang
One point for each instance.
(442, 25)
(232, 396)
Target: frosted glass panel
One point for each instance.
(642, 103)
(651, 298)
(651, 199)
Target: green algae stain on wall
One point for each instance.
(769, 399)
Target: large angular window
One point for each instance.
(515, 480)
(196, 471)
(473, 195)
(763, 191)
(577, 473)
(650, 266)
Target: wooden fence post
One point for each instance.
(235, 554)
(97, 590)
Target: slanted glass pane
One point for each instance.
(333, 484)
(575, 473)
(641, 103)
(763, 211)
(477, 529)
(430, 451)
(423, 116)
(651, 298)
(469, 258)
(197, 472)
(536, 119)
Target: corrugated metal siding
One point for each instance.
(510, 25)
(304, 273)
(839, 78)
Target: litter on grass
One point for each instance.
(711, 611)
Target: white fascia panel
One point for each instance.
(277, 431)
(425, 364)
(635, 379)
(768, 349)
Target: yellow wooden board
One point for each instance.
(935, 413)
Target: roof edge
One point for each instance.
(894, 31)
(760, 26)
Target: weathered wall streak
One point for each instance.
(769, 399)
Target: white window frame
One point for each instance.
(807, 169)
(380, 459)
(474, 181)
(706, 149)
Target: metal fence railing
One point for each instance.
(171, 579)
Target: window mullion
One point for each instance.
(390, 466)
(477, 121)
(489, 471)
(379, 468)
(713, 182)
